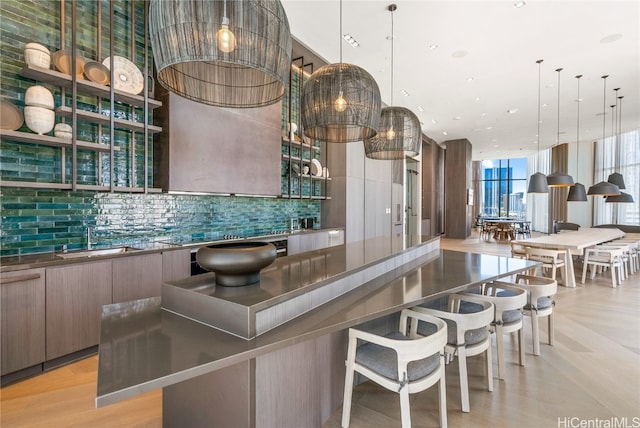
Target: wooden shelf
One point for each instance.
(28, 137)
(300, 144)
(85, 86)
(88, 116)
(67, 186)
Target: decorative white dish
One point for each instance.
(39, 120)
(10, 116)
(39, 96)
(97, 72)
(316, 168)
(126, 76)
(37, 55)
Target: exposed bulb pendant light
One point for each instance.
(199, 57)
(399, 132)
(224, 37)
(559, 179)
(616, 178)
(538, 181)
(577, 192)
(604, 188)
(340, 102)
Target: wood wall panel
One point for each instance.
(457, 181)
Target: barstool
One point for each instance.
(468, 321)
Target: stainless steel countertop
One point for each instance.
(143, 347)
(39, 260)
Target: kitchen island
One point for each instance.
(291, 374)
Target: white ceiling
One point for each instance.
(497, 46)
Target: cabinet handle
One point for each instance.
(19, 278)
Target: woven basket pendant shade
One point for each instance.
(405, 140)
(251, 72)
(327, 118)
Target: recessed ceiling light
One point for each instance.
(434, 121)
(457, 118)
(579, 100)
(477, 98)
(404, 92)
(483, 114)
(420, 108)
(433, 47)
(351, 40)
(444, 133)
(495, 146)
(545, 105)
(460, 54)
(470, 79)
(611, 38)
(489, 127)
(519, 4)
(512, 111)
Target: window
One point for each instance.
(623, 156)
(503, 188)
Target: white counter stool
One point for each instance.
(508, 303)
(540, 291)
(551, 259)
(468, 321)
(610, 258)
(401, 361)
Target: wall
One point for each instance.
(458, 179)
(44, 220)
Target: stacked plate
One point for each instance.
(316, 168)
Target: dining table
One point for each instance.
(572, 242)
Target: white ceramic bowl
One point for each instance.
(37, 55)
(62, 130)
(38, 96)
(39, 120)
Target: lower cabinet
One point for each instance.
(137, 277)
(74, 298)
(176, 265)
(22, 308)
(310, 241)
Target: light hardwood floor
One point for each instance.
(592, 373)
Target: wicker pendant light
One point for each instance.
(340, 102)
(399, 132)
(559, 179)
(229, 53)
(577, 192)
(538, 181)
(604, 188)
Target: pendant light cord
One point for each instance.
(604, 115)
(392, 8)
(558, 134)
(539, 71)
(578, 132)
(340, 38)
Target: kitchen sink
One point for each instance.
(97, 252)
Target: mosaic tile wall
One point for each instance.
(36, 221)
(45, 220)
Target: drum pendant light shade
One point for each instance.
(404, 139)
(226, 53)
(621, 198)
(577, 193)
(340, 104)
(538, 181)
(617, 179)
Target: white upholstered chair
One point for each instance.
(508, 303)
(540, 292)
(468, 321)
(401, 361)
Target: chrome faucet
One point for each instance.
(89, 238)
(292, 222)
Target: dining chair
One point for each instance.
(468, 321)
(518, 250)
(551, 259)
(401, 361)
(610, 258)
(540, 291)
(508, 302)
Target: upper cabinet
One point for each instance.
(217, 150)
(109, 146)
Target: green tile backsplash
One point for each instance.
(36, 221)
